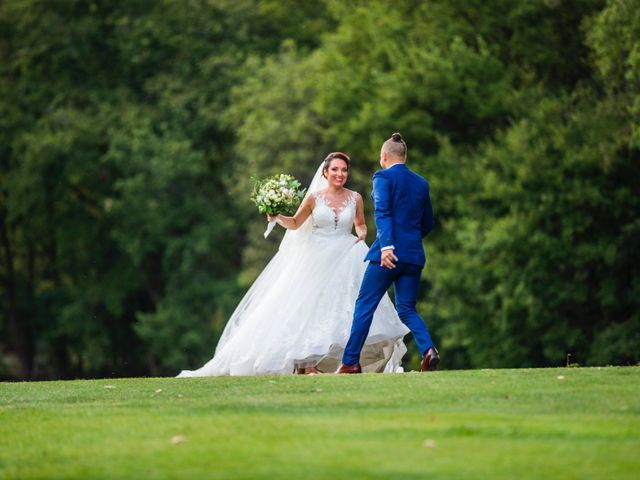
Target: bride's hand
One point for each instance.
(361, 237)
(272, 218)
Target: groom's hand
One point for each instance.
(387, 257)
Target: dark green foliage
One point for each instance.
(524, 119)
(120, 241)
(130, 131)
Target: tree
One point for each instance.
(118, 233)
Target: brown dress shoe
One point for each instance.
(349, 368)
(431, 360)
(308, 371)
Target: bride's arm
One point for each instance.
(295, 222)
(361, 226)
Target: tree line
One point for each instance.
(131, 132)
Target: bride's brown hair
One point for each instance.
(332, 156)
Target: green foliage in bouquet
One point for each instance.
(278, 194)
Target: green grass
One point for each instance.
(486, 424)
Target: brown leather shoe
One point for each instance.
(431, 360)
(342, 369)
(308, 371)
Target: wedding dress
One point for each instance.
(299, 310)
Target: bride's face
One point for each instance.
(337, 172)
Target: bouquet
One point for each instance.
(279, 194)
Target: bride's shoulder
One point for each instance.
(320, 194)
(312, 199)
(353, 194)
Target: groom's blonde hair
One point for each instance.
(395, 146)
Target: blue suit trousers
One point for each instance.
(377, 280)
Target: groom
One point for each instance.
(403, 216)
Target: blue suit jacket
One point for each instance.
(403, 214)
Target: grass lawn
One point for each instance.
(487, 424)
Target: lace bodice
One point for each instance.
(330, 220)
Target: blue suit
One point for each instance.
(404, 216)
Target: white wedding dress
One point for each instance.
(299, 310)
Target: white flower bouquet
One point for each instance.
(276, 195)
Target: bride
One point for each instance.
(297, 315)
